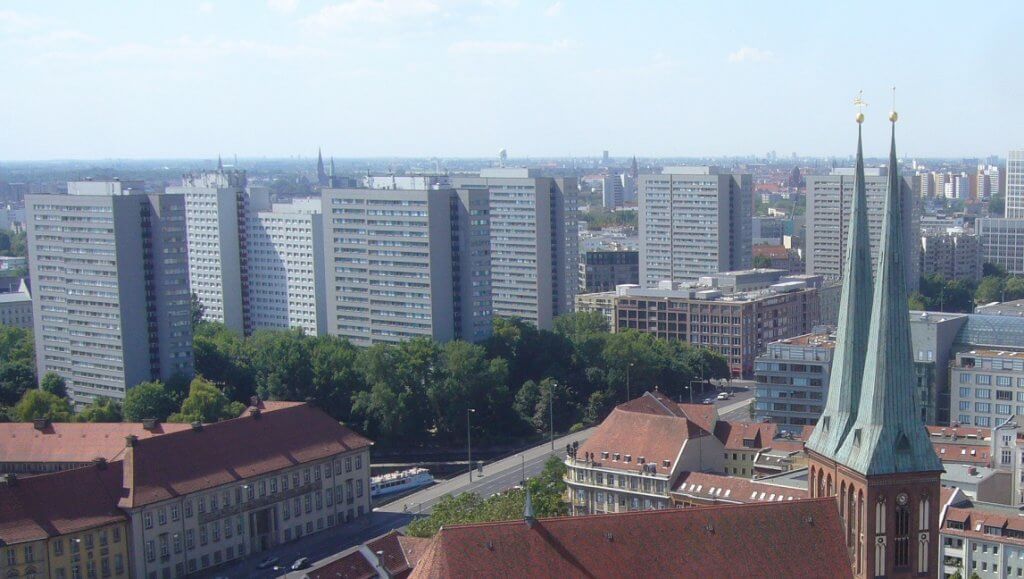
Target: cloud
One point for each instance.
(11, 21)
(492, 48)
(182, 49)
(206, 8)
(748, 54)
(376, 12)
(283, 6)
(554, 10)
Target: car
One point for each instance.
(267, 563)
(723, 396)
(709, 401)
(300, 563)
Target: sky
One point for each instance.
(465, 78)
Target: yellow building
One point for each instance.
(64, 525)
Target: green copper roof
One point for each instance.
(854, 318)
(888, 435)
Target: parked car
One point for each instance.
(724, 396)
(709, 401)
(300, 563)
(268, 562)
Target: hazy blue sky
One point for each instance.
(184, 78)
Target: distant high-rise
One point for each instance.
(109, 273)
(612, 191)
(407, 264)
(828, 215)
(216, 205)
(987, 182)
(286, 276)
(694, 221)
(534, 242)
(1015, 185)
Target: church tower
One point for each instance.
(321, 175)
(870, 449)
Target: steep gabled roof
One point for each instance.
(787, 539)
(654, 437)
(855, 306)
(190, 461)
(888, 435)
(53, 504)
(733, 489)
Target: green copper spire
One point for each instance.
(854, 317)
(888, 435)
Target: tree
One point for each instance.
(16, 378)
(762, 261)
(989, 290)
(206, 403)
(196, 310)
(468, 380)
(335, 378)
(54, 384)
(396, 406)
(993, 269)
(997, 205)
(147, 400)
(102, 409)
(224, 357)
(41, 404)
(281, 364)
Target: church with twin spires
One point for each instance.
(870, 450)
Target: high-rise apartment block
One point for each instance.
(828, 216)
(694, 221)
(109, 269)
(407, 263)
(1015, 185)
(952, 255)
(534, 242)
(216, 204)
(987, 182)
(286, 277)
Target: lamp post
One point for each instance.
(469, 446)
(551, 407)
(692, 382)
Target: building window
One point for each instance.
(902, 539)
(147, 520)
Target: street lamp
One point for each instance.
(551, 406)
(692, 382)
(469, 446)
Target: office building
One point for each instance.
(1002, 242)
(981, 539)
(16, 307)
(694, 221)
(1015, 185)
(534, 242)
(286, 275)
(738, 326)
(612, 191)
(988, 387)
(828, 214)
(791, 378)
(109, 274)
(407, 263)
(216, 205)
(600, 302)
(952, 255)
(601, 271)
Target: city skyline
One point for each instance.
(464, 79)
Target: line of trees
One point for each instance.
(939, 294)
(415, 393)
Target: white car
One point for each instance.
(723, 396)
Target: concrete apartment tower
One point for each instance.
(829, 202)
(1015, 185)
(407, 264)
(694, 221)
(216, 205)
(109, 270)
(286, 277)
(534, 242)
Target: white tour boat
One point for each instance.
(397, 482)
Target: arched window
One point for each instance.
(901, 540)
(830, 491)
(851, 507)
(821, 484)
(860, 530)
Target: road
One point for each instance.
(497, 476)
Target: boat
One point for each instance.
(401, 481)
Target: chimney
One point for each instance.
(254, 401)
(131, 440)
(100, 462)
(254, 412)
(150, 424)
(41, 424)
(528, 516)
(197, 426)
(9, 480)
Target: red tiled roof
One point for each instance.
(731, 489)
(58, 503)
(351, 566)
(961, 431)
(186, 462)
(71, 441)
(397, 553)
(770, 251)
(705, 415)
(975, 454)
(653, 402)
(788, 539)
(745, 435)
(652, 436)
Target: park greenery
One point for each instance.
(547, 493)
(415, 393)
(939, 294)
(598, 218)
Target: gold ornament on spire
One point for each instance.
(860, 104)
(894, 116)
